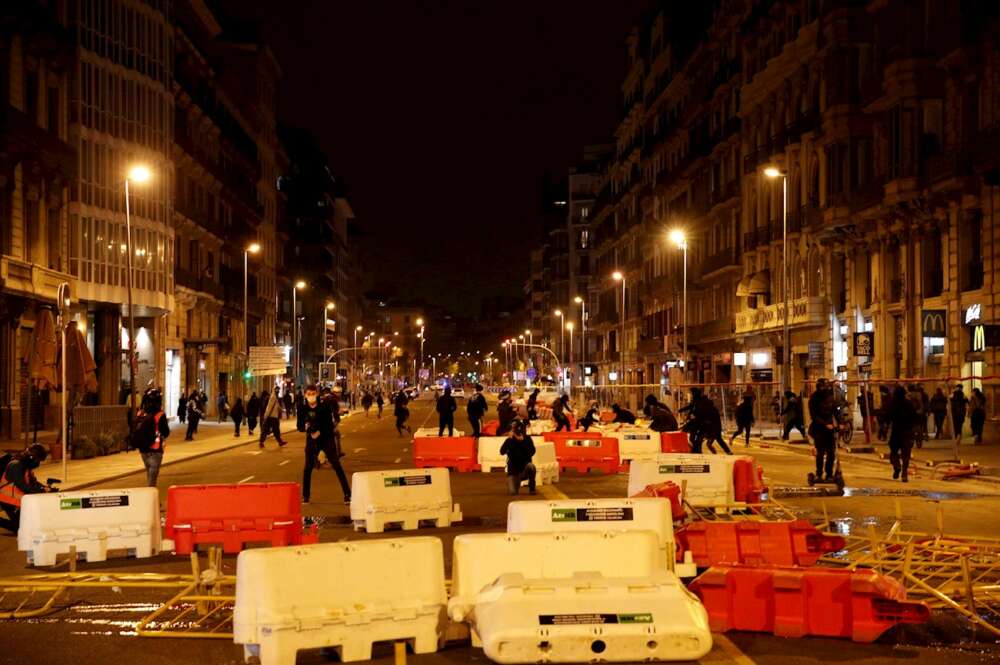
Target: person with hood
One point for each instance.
(150, 434)
(939, 409)
(959, 405)
(366, 402)
(822, 428)
(744, 418)
(559, 409)
(660, 416)
(519, 449)
(182, 408)
(977, 414)
(19, 479)
(591, 417)
(446, 407)
(622, 415)
(902, 423)
(710, 424)
(793, 416)
(320, 426)
(271, 418)
(533, 404)
(194, 414)
(506, 414)
(236, 414)
(253, 410)
(476, 409)
(399, 409)
(380, 404)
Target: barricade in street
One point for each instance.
(478, 559)
(489, 428)
(546, 463)
(793, 602)
(748, 481)
(583, 451)
(402, 496)
(634, 443)
(665, 490)
(451, 452)
(674, 442)
(709, 479)
(574, 515)
(488, 453)
(433, 432)
(235, 515)
(784, 543)
(341, 596)
(92, 522)
(539, 427)
(591, 618)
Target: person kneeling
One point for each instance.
(519, 449)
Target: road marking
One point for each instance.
(245, 480)
(358, 450)
(397, 460)
(735, 654)
(284, 462)
(551, 492)
(406, 450)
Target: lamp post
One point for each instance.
(786, 374)
(295, 326)
(329, 307)
(569, 327)
(678, 238)
(137, 174)
(618, 276)
(583, 329)
(252, 248)
(354, 368)
(420, 322)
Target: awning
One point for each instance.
(761, 283)
(743, 288)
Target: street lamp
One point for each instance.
(329, 307)
(569, 327)
(295, 325)
(583, 329)
(138, 175)
(562, 337)
(354, 384)
(786, 378)
(678, 238)
(619, 277)
(420, 322)
(252, 248)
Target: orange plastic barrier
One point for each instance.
(234, 515)
(490, 427)
(607, 416)
(793, 602)
(784, 543)
(674, 442)
(451, 452)
(666, 490)
(583, 451)
(748, 481)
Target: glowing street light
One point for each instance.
(786, 370)
(295, 324)
(252, 248)
(619, 277)
(137, 174)
(678, 238)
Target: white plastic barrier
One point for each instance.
(591, 618)
(575, 515)
(92, 521)
(488, 453)
(433, 431)
(478, 559)
(635, 443)
(343, 596)
(708, 479)
(546, 464)
(539, 427)
(402, 496)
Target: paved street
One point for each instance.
(96, 628)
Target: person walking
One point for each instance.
(194, 414)
(939, 410)
(366, 402)
(519, 450)
(271, 417)
(506, 414)
(222, 405)
(476, 408)
(559, 409)
(150, 434)
(822, 428)
(959, 408)
(866, 406)
(744, 418)
(182, 408)
(902, 423)
(532, 404)
(236, 414)
(253, 411)
(793, 416)
(977, 414)
(622, 415)
(591, 417)
(445, 408)
(320, 429)
(710, 424)
(882, 412)
(300, 420)
(661, 418)
(400, 410)
(288, 402)
(380, 403)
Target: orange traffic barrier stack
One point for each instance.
(748, 481)
(583, 451)
(794, 602)
(666, 490)
(674, 442)
(490, 428)
(234, 515)
(784, 543)
(451, 452)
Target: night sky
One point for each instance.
(443, 118)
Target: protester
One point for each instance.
(977, 414)
(519, 449)
(959, 406)
(366, 402)
(253, 411)
(182, 408)
(300, 420)
(902, 421)
(379, 402)
(559, 409)
(319, 428)
(939, 409)
(793, 416)
(271, 417)
(882, 412)
(476, 409)
(591, 417)
(660, 416)
(822, 428)
(236, 414)
(222, 405)
(505, 413)
(533, 404)
(622, 415)
(744, 418)
(446, 407)
(19, 479)
(866, 406)
(288, 402)
(194, 414)
(400, 410)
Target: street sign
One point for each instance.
(765, 375)
(328, 372)
(864, 344)
(932, 322)
(267, 360)
(425, 373)
(532, 373)
(815, 358)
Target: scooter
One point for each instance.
(838, 478)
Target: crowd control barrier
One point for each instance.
(674, 442)
(405, 497)
(546, 463)
(665, 490)
(490, 459)
(709, 479)
(634, 443)
(433, 432)
(488, 453)
(784, 543)
(748, 480)
(93, 522)
(489, 428)
(794, 602)
(591, 618)
(235, 515)
(478, 559)
(341, 596)
(539, 427)
(450, 452)
(583, 451)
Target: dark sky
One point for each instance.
(443, 117)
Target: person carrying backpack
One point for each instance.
(236, 414)
(17, 478)
(150, 432)
(253, 410)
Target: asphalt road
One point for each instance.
(97, 628)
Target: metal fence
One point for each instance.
(90, 421)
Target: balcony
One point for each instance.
(190, 280)
(809, 311)
(809, 216)
(31, 279)
(712, 330)
(719, 261)
(749, 241)
(651, 345)
(944, 165)
(763, 235)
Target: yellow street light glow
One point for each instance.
(772, 172)
(617, 276)
(527, 332)
(420, 322)
(569, 325)
(359, 328)
(300, 284)
(253, 248)
(139, 174)
(558, 312)
(578, 300)
(331, 305)
(678, 238)
(520, 336)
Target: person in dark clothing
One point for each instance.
(366, 402)
(939, 409)
(182, 408)
(977, 414)
(400, 410)
(559, 409)
(519, 449)
(253, 411)
(591, 417)
(288, 402)
(866, 406)
(476, 409)
(882, 412)
(710, 424)
(270, 419)
(822, 428)
(793, 416)
(446, 408)
(380, 403)
(506, 414)
(300, 419)
(236, 414)
(622, 415)
(902, 421)
(194, 414)
(19, 479)
(744, 419)
(150, 434)
(661, 417)
(959, 405)
(222, 406)
(533, 404)
(320, 427)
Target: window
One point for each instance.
(584, 239)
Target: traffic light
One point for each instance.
(247, 375)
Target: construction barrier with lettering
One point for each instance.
(235, 515)
(92, 522)
(674, 442)
(450, 452)
(665, 490)
(634, 443)
(858, 604)
(339, 596)
(546, 463)
(583, 451)
(783, 543)
(478, 559)
(403, 497)
(707, 479)
(590, 618)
